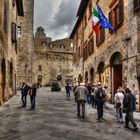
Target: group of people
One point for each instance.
(95, 95)
(125, 102)
(124, 99)
(28, 90)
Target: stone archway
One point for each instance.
(39, 80)
(116, 71)
(3, 78)
(100, 71)
(92, 75)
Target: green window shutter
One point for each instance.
(121, 11)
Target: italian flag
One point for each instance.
(95, 20)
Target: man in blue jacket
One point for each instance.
(24, 93)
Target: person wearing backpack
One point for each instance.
(100, 96)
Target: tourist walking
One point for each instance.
(89, 87)
(119, 96)
(81, 94)
(67, 88)
(32, 93)
(129, 105)
(93, 103)
(24, 92)
(100, 96)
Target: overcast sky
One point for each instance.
(57, 17)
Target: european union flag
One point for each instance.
(103, 19)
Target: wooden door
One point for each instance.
(117, 77)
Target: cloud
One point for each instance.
(56, 16)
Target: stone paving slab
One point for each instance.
(55, 119)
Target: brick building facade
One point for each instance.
(10, 10)
(52, 59)
(111, 58)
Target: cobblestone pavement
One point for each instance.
(55, 119)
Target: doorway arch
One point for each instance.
(100, 71)
(39, 80)
(92, 75)
(3, 78)
(116, 71)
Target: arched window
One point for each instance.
(100, 70)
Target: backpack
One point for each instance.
(100, 93)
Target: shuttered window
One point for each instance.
(91, 42)
(102, 34)
(110, 18)
(5, 17)
(116, 15)
(13, 32)
(97, 40)
(85, 53)
(100, 37)
(136, 4)
(121, 11)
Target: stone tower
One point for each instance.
(25, 44)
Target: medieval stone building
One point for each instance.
(111, 58)
(10, 10)
(52, 59)
(25, 44)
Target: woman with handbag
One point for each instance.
(119, 96)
